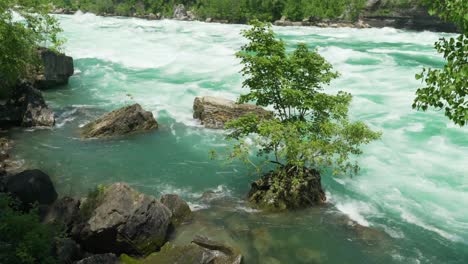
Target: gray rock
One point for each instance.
(31, 186)
(215, 112)
(57, 68)
(64, 212)
(126, 120)
(179, 208)
(180, 13)
(124, 221)
(26, 107)
(108, 258)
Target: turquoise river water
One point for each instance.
(409, 203)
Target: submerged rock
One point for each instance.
(26, 107)
(123, 221)
(287, 189)
(201, 251)
(56, 69)
(214, 112)
(126, 120)
(179, 208)
(31, 186)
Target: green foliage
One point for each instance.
(93, 200)
(23, 239)
(19, 37)
(238, 11)
(310, 128)
(447, 88)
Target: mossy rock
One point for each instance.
(287, 188)
(119, 219)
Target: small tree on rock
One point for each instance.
(310, 130)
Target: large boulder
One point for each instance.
(201, 251)
(122, 121)
(287, 188)
(179, 208)
(214, 112)
(56, 69)
(123, 221)
(31, 186)
(26, 107)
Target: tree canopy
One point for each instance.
(447, 88)
(310, 128)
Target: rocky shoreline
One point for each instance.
(414, 18)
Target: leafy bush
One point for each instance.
(447, 88)
(23, 239)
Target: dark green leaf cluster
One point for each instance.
(23, 239)
(311, 128)
(447, 88)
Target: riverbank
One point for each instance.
(415, 18)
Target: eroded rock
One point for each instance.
(56, 69)
(126, 120)
(214, 112)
